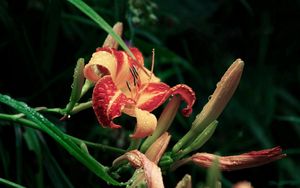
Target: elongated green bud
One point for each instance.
(78, 80)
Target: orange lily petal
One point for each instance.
(102, 63)
(108, 101)
(113, 62)
(145, 125)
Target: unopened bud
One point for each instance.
(110, 41)
(221, 96)
(186, 182)
(237, 162)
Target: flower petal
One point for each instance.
(102, 63)
(237, 162)
(154, 94)
(187, 94)
(145, 123)
(186, 182)
(108, 102)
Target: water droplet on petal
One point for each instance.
(209, 97)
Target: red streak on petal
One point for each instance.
(108, 102)
(157, 93)
(152, 96)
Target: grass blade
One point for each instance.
(10, 183)
(92, 164)
(83, 7)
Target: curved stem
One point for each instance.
(33, 125)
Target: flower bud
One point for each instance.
(216, 104)
(186, 182)
(221, 96)
(157, 149)
(242, 184)
(237, 162)
(110, 41)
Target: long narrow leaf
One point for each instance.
(61, 138)
(10, 183)
(83, 7)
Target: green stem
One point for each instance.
(100, 146)
(23, 121)
(134, 144)
(75, 110)
(33, 125)
(80, 107)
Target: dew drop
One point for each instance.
(209, 97)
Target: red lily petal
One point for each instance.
(145, 123)
(154, 94)
(108, 101)
(187, 94)
(237, 162)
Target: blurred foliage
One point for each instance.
(194, 41)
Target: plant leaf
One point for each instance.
(83, 7)
(91, 163)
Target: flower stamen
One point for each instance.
(128, 86)
(152, 63)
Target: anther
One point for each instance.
(128, 86)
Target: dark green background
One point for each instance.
(195, 42)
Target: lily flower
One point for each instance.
(124, 84)
(237, 162)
